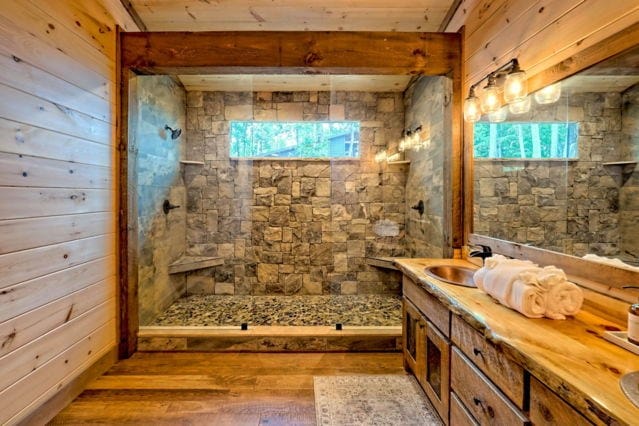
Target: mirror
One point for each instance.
(558, 171)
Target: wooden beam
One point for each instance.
(134, 14)
(290, 52)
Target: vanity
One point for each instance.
(482, 363)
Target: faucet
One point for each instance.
(483, 253)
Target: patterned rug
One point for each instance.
(377, 400)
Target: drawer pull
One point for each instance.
(476, 352)
(487, 409)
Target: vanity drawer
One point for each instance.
(482, 398)
(459, 415)
(506, 374)
(546, 408)
(437, 313)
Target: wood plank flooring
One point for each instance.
(163, 388)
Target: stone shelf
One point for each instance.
(192, 263)
(398, 162)
(382, 262)
(195, 163)
(620, 163)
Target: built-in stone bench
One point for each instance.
(192, 263)
(382, 262)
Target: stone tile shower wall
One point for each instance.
(571, 207)
(158, 101)
(293, 226)
(629, 193)
(427, 104)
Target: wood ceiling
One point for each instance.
(293, 15)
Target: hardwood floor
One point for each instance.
(164, 388)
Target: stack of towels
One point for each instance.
(528, 288)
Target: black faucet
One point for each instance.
(483, 253)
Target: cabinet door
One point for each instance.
(413, 336)
(546, 408)
(436, 378)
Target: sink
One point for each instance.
(452, 274)
(630, 386)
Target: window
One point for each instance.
(294, 139)
(526, 140)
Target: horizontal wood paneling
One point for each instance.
(19, 138)
(57, 182)
(20, 298)
(28, 264)
(43, 348)
(21, 75)
(22, 234)
(56, 373)
(28, 327)
(21, 170)
(17, 40)
(25, 108)
(36, 202)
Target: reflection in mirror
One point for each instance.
(557, 170)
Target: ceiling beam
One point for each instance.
(291, 52)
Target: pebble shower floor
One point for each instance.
(210, 310)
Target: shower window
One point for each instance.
(525, 140)
(294, 139)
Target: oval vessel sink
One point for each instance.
(452, 274)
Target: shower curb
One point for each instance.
(270, 339)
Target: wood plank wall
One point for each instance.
(57, 186)
(539, 33)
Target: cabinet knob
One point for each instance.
(477, 352)
(487, 409)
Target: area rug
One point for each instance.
(377, 400)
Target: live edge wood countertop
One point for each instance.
(570, 356)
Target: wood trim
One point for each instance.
(45, 412)
(588, 274)
(449, 15)
(127, 301)
(133, 14)
(290, 52)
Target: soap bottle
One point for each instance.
(633, 324)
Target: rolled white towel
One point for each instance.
(549, 276)
(478, 278)
(564, 298)
(494, 260)
(499, 280)
(527, 299)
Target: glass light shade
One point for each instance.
(515, 86)
(402, 145)
(548, 94)
(472, 109)
(490, 99)
(498, 116)
(520, 107)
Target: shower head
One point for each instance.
(175, 133)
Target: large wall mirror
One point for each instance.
(559, 171)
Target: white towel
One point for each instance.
(494, 260)
(498, 281)
(527, 299)
(618, 263)
(564, 298)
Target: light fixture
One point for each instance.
(516, 85)
(490, 101)
(509, 79)
(520, 107)
(548, 94)
(381, 156)
(498, 116)
(472, 110)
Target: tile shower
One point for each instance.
(292, 236)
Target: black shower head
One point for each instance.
(174, 133)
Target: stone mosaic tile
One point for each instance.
(211, 310)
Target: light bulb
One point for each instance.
(515, 86)
(498, 116)
(520, 107)
(472, 110)
(490, 96)
(548, 94)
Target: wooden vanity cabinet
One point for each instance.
(547, 408)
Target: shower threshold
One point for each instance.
(276, 324)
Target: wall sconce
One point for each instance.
(515, 89)
(381, 156)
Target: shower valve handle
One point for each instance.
(167, 206)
